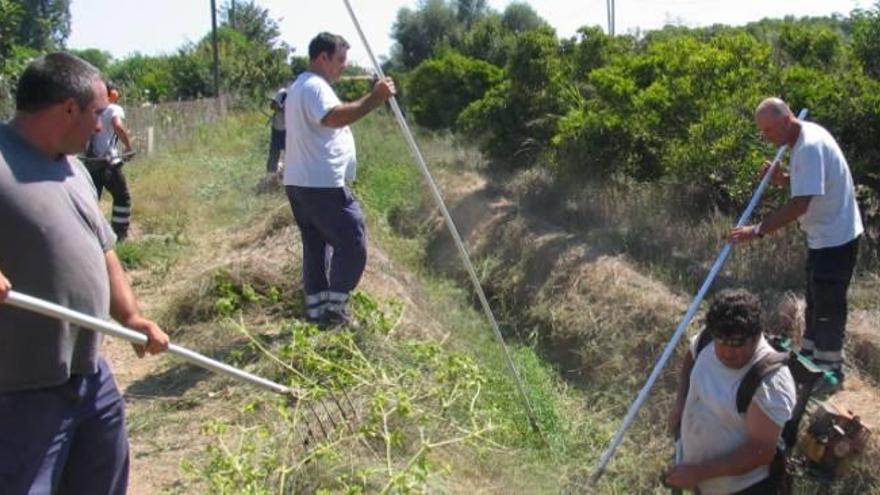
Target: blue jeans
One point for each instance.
(68, 439)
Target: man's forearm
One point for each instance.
(788, 213)
(122, 133)
(349, 113)
(744, 459)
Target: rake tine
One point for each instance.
(310, 434)
(353, 409)
(320, 424)
(329, 415)
(342, 412)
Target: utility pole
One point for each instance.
(216, 51)
(609, 6)
(232, 14)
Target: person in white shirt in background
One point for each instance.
(105, 163)
(277, 136)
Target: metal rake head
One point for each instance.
(326, 418)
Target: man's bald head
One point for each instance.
(774, 107)
(776, 121)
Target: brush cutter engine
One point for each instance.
(833, 439)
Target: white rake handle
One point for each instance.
(58, 312)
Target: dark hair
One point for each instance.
(326, 43)
(54, 78)
(734, 313)
(111, 86)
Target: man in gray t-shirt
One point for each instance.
(61, 415)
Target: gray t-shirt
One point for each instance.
(53, 240)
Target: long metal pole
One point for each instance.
(216, 50)
(608, 16)
(59, 312)
(670, 346)
(438, 198)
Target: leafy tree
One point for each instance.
(815, 47)
(516, 118)
(298, 65)
(251, 20)
(488, 40)
(470, 11)
(248, 68)
(520, 17)
(682, 108)
(144, 78)
(99, 58)
(11, 14)
(418, 33)
(592, 48)
(45, 24)
(442, 87)
(866, 39)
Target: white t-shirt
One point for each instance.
(278, 115)
(316, 156)
(819, 169)
(105, 139)
(711, 427)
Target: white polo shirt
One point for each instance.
(819, 169)
(317, 155)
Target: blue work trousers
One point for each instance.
(67, 440)
(334, 243)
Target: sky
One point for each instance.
(154, 27)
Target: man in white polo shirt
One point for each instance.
(320, 162)
(823, 200)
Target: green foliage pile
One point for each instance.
(417, 404)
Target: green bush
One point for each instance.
(443, 86)
(516, 119)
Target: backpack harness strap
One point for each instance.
(756, 374)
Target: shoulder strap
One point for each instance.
(756, 374)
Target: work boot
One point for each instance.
(339, 319)
(824, 388)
